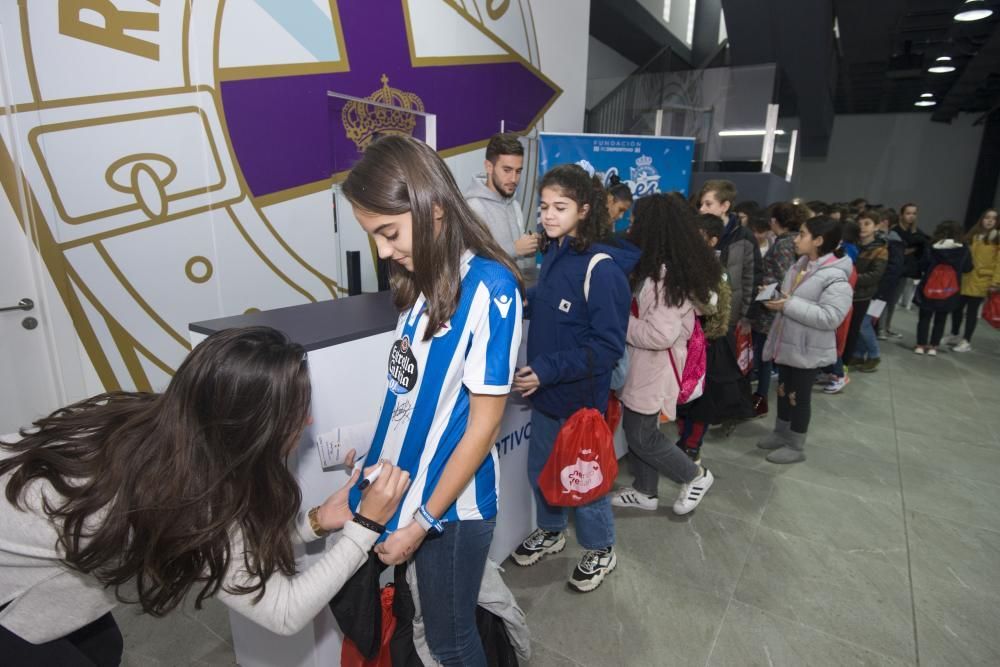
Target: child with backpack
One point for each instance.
(984, 244)
(722, 397)
(815, 298)
(939, 291)
(666, 348)
(579, 313)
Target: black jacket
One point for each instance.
(943, 252)
(920, 243)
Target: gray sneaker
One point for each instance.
(592, 569)
(537, 546)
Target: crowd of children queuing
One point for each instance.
(811, 288)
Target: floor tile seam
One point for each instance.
(906, 527)
(743, 569)
(925, 434)
(988, 446)
(825, 633)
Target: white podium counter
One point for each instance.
(348, 342)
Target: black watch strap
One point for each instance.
(369, 524)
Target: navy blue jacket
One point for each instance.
(942, 252)
(573, 343)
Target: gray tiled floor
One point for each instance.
(882, 549)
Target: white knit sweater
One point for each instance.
(47, 600)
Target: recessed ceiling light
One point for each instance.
(924, 103)
(926, 94)
(942, 65)
(973, 10)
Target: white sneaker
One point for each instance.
(693, 492)
(918, 349)
(951, 340)
(592, 569)
(932, 352)
(629, 497)
(836, 385)
(963, 346)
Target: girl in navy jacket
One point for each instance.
(574, 341)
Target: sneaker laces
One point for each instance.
(536, 539)
(590, 560)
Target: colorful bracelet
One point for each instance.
(426, 521)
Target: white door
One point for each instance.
(27, 380)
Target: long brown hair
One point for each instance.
(991, 237)
(574, 183)
(153, 484)
(664, 229)
(400, 174)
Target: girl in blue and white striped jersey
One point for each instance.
(449, 373)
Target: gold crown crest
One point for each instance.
(363, 122)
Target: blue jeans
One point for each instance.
(449, 572)
(763, 367)
(595, 525)
(867, 345)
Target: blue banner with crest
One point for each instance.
(645, 164)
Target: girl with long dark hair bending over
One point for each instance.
(147, 498)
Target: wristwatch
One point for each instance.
(313, 515)
(426, 521)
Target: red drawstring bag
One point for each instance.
(744, 349)
(991, 311)
(582, 466)
(614, 412)
(350, 656)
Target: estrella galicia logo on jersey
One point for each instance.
(503, 305)
(402, 367)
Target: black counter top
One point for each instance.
(318, 325)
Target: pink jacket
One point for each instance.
(650, 385)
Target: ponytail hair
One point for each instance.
(830, 230)
(574, 183)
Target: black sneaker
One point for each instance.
(592, 568)
(536, 546)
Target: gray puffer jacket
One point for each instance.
(804, 334)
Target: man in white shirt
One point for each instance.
(492, 198)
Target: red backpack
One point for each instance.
(942, 283)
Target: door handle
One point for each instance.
(23, 304)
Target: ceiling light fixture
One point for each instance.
(973, 10)
(927, 95)
(942, 65)
(747, 133)
(924, 103)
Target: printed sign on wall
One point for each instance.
(646, 164)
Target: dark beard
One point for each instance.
(499, 189)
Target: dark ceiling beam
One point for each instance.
(798, 36)
(975, 74)
(628, 28)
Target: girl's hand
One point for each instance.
(526, 382)
(380, 500)
(777, 304)
(401, 545)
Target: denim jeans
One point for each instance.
(449, 572)
(867, 345)
(653, 453)
(595, 525)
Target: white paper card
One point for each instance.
(875, 308)
(768, 292)
(334, 445)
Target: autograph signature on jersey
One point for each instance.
(401, 413)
